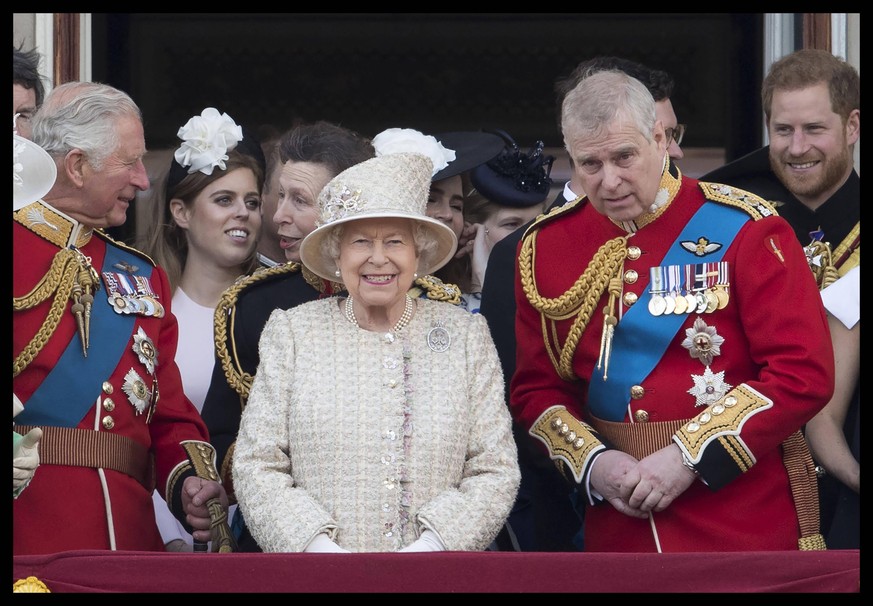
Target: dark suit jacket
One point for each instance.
(836, 217)
(543, 517)
(223, 406)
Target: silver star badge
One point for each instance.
(709, 388)
(702, 342)
(144, 348)
(136, 391)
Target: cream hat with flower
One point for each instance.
(394, 184)
(33, 172)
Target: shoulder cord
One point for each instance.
(68, 273)
(579, 300)
(225, 314)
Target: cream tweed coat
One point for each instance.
(374, 440)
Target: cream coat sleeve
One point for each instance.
(280, 516)
(470, 517)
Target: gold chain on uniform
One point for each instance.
(69, 277)
(579, 300)
(237, 378)
(604, 272)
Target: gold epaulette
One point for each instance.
(754, 205)
(435, 289)
(223, 320)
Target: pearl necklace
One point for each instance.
(401, 323)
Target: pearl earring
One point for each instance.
(415, 276)
(337, 273)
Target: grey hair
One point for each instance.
(83, 115)
(596, 101)
(425, 245)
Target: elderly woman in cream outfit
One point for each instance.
(377, 422)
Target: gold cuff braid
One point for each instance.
(568, 440)
(720, 424)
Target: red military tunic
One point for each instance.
(775, 343)
(111, 391)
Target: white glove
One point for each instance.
(25, 459)
(322, 544)
(428, 541)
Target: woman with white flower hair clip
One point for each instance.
(376, 422)
(205, 238)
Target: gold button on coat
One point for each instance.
(631, 276)
(637, 392)
(107, 387)
(641, 416)
(633, 252)
(630, 298)
(108, 405)
(108, 422)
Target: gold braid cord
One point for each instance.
(821, 262)
(69, 277)
(804, 488)
(202, 457)
(223, 323)
(436, 290)
(579, 300)
(848, 253)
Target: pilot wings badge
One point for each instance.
(702, 247)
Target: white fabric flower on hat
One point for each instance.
(206, 141)
(399, 140)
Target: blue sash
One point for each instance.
(73, 385)
(640, 338)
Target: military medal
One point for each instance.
(657, 304)
(131, 294)
(691, 302)
(711, 301)
(721, 287)
(721, 295)
(681, 305)
(687, 286)
(674, 285)
(148, 298)
(118, 303)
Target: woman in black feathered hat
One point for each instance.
(502, 195)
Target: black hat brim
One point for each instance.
(471, 148)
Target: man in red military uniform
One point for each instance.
(671, 344)
(93, 348)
